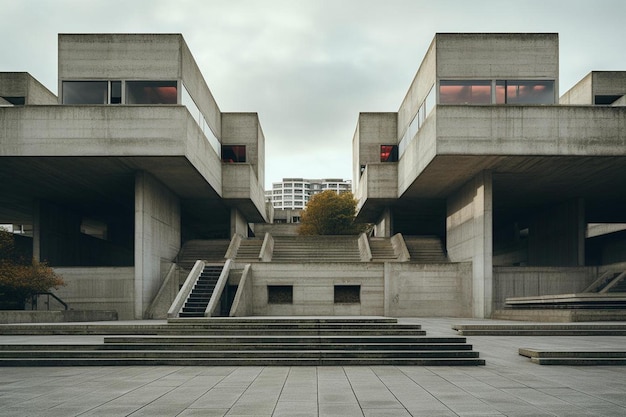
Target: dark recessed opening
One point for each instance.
(347, 294)
(280, 294)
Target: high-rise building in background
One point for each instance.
(294, 193)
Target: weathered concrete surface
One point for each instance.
(22, 84)
(62, 316)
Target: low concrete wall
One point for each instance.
(99, 288)
(531, 281)
(433, 290)
(30, 316)
(313, 288)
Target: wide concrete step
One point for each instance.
(284, 339)
(541, 329)
(575, 357)
(243, 362)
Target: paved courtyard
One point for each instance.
(509, 385)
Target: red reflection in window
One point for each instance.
(233, 153)
(465, 92)
(388, 153)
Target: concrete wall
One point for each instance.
(373, 130)
(198, 90)
(516, 56)
(99, 289)
(420, 87)
(533, 281)
(313, 288)
(581, 93)
(469, 237)
(596, 83)
(530, 130)
(22, 84)
(120, 56)
(419, 153)
(413, 290)
(157, 237)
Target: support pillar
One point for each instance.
(238, 223)
(469, 228)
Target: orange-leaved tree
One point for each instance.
(329, 213)
(21, 278)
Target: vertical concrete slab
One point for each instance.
(157, 237)
(470, 235)
(238, 223)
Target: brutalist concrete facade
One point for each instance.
(487, 159)
(125, 165)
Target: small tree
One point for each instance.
(329, 213)
(21, 278)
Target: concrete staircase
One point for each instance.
(382, 249)
(250, 341)
(249, 250)
(574, 357)
(207, 250)
(198, 299)
(316, 249)
(426, 249)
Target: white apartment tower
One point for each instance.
(294, 193)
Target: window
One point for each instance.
(602, 100)
(233, 153)
(280, 294)
(388, 153)
(151, 92)
(15, 101)
(524, 92)
(465, 92)
(116, 92)
(94, 228)
(85, 92)
(347, 294)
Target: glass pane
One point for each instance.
(116, 92)
(234, 153)
(85, 92)
(525, 92)
(151, 92)
(388, 153)
(465, 92)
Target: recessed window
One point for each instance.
(116, 92)
(85, 92)
(524, 92)
(280, 294)
(233, 153)
(151, 92)
(388, 153)
(605, 100)
(465, 92)
(347, 294)
(15, 101)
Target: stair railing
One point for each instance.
(233, 247)
(267, 249)
(35, 298)
(214, 302)
(364, 248)
(184, 292)
(399, 248)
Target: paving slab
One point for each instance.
(508, 385)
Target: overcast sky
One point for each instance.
(308, 67)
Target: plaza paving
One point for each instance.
(509, 385)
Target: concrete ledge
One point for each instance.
(29, 316)
(575, 357)
(560, 315)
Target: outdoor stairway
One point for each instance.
(249, 250)
(381, 249)
(316, 249)
(425, 249)
(198, 299)
(254, 341)
(206, 250)
(574, 357)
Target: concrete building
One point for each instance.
(484, 155)
(294, 193)
(132, 159)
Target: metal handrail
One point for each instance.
(34, 299)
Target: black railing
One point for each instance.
(35, 298)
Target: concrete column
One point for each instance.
(469, 231)
(557, 235)
(157, 237)
(238, 223)
(384, 227)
